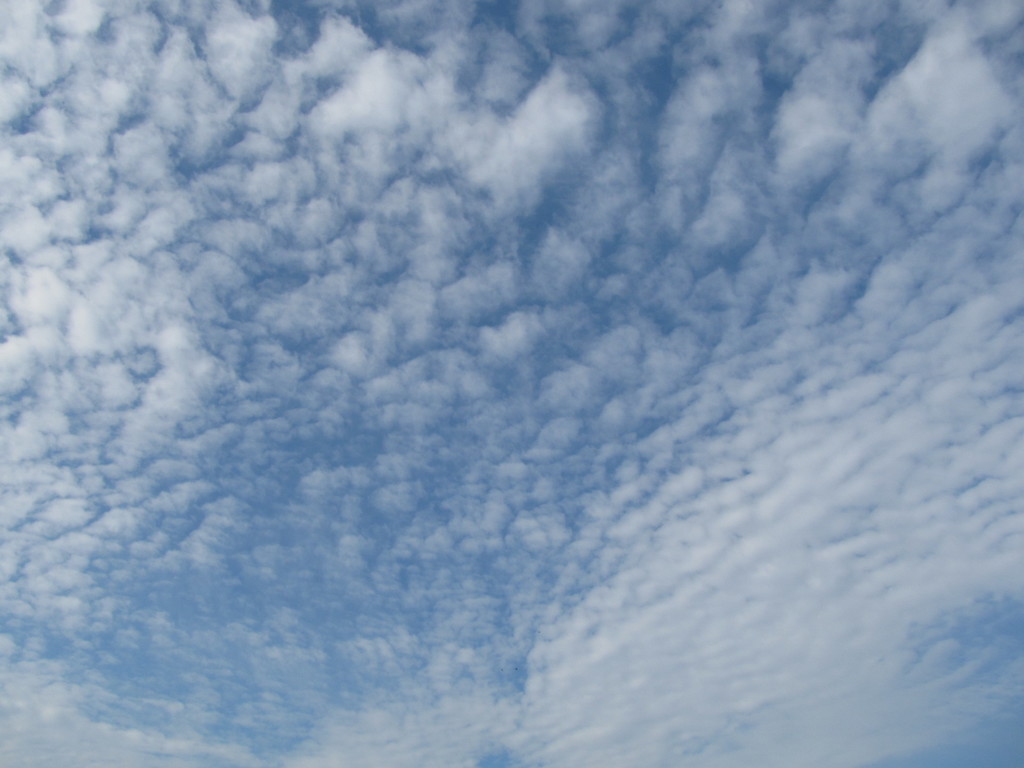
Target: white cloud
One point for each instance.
(39, 704)
(513, 337)
(377, 97)
(14, 96)
(481, 292)
(80, 17)
(513, 157)
(820, 115)
(449, 732)
(238, 49)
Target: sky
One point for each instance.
(532, 384)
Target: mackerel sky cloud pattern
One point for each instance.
(511, 384)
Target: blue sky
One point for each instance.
(512, 385)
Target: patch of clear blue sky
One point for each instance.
(498, 759)
(987, 748)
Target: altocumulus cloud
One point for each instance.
(428, 383)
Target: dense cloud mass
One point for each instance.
(501, 385)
